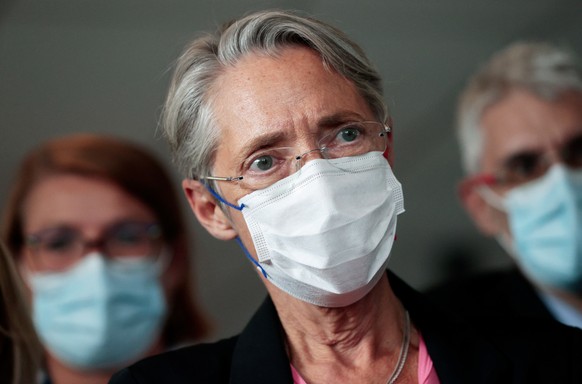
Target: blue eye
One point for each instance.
(348, 134)
(262, 163)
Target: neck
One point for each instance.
(573, 299)
(331, 342)
(60, 373)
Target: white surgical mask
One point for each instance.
(99, 316)
(545, 219)
(324, 234)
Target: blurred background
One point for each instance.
(104, 66)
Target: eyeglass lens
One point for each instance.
(267, 167)
(61, 247)
(528, 166)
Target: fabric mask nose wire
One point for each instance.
(238, 240)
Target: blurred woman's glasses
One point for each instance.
(60, 248)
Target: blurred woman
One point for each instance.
(19, 347)
(96, 227)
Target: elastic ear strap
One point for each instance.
(238, 240)
(248, 255)
(491, 198)
(219, 198)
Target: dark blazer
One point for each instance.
(479, 353)
(502, 292)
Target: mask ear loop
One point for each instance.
(496, 201)
(481, 184)
(237, 239)
(248, 255)
(491, 198)
(219, 198)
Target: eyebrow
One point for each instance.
(271, 139)
(506, 162)
(262, 141)
(340, 118)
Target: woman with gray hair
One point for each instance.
(278, 125)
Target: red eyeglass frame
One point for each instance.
(480, 179)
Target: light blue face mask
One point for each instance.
(545, 219)
(99, 315)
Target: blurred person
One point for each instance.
(278, 123)
(20, 350)
(96, 228)
(520, 131)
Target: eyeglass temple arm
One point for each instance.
(477, 180)
(219, 178)
(386, 130)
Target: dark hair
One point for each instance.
(138, 173)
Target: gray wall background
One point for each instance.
(103, 66)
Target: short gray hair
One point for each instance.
(188, 121)
(540, 68)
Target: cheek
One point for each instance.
(23, 263)
(499, 221)
(242, 230)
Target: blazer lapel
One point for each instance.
(459, 354)
(259, 356)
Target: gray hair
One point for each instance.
(188, 121)
(542, 69)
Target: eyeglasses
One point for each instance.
(527, 166)
(60, 248)
(266, 167)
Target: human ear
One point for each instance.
(207, 210)
(486, 218)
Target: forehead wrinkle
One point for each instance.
(534, 124)
(291, 93)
